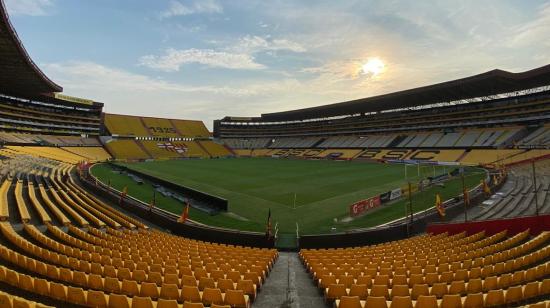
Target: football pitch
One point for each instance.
(314, 195)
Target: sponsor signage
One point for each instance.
(395, 194)
(73, 99)
(362, 206)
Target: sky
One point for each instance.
(206, 59)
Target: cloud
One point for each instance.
(29, 7)
(536, 31)
(253, 44)
(178, 8)
(173, 59)
(237, 56)
(130, 93)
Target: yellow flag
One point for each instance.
(439, 205)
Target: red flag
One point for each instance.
(185, 214)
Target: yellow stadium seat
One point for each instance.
(155, 277)
(58, 291)
(514, 294)
(248, 287)
(96, 282)
(187, 280)
(142, 302)
(191, 294)
(194, 305)
(149, 289)
(335, 291)
(206, 282)
(545, 287)
(401, 302)
(426, 301)
(474, 286)
(359, 290)
(400, 290)
(167, 303)
(42, 286)
(225, 284)
(451, 301)
(349, 302)
(490, 283)
(494, 298)
(380, 291)
(112, 285)
(212, 296)
(473, 300)
(6, 300)
(457, 287)
(419, 289)
(76, 296)
(366, 280)
(236, 298)
(530, 290)
(439, 289)
(96, 299)
(169, 291)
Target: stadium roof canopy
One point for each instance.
(19, 75)
(482, 85)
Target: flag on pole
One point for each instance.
(486, 188)
(439, 205)
(153, 202)
(123, 194)
(185, 214)
(466, 197)
(268, 226)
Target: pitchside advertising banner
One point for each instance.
(362, 206)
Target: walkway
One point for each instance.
(289, 286)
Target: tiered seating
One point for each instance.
(160, 152)
(214, 149)
(116, 261)
(189, 128)
(49, 152)
(434, 271)
(193, 148)
(91, 153)
(123, 125)
(159, 127)
(126, 149)
(476, 157)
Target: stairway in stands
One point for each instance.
(289, 285)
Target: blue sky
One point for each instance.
(204, 59)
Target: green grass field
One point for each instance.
(323, 189)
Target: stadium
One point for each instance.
(433, 196)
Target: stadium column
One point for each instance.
(535, 188)
(410, 211)
(464, 193)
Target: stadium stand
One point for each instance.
(434, 271)
(126, 149)
(124, 125)
(122, 261)
(134, 126)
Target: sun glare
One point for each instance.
(373, 67)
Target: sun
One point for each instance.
(373, 67)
